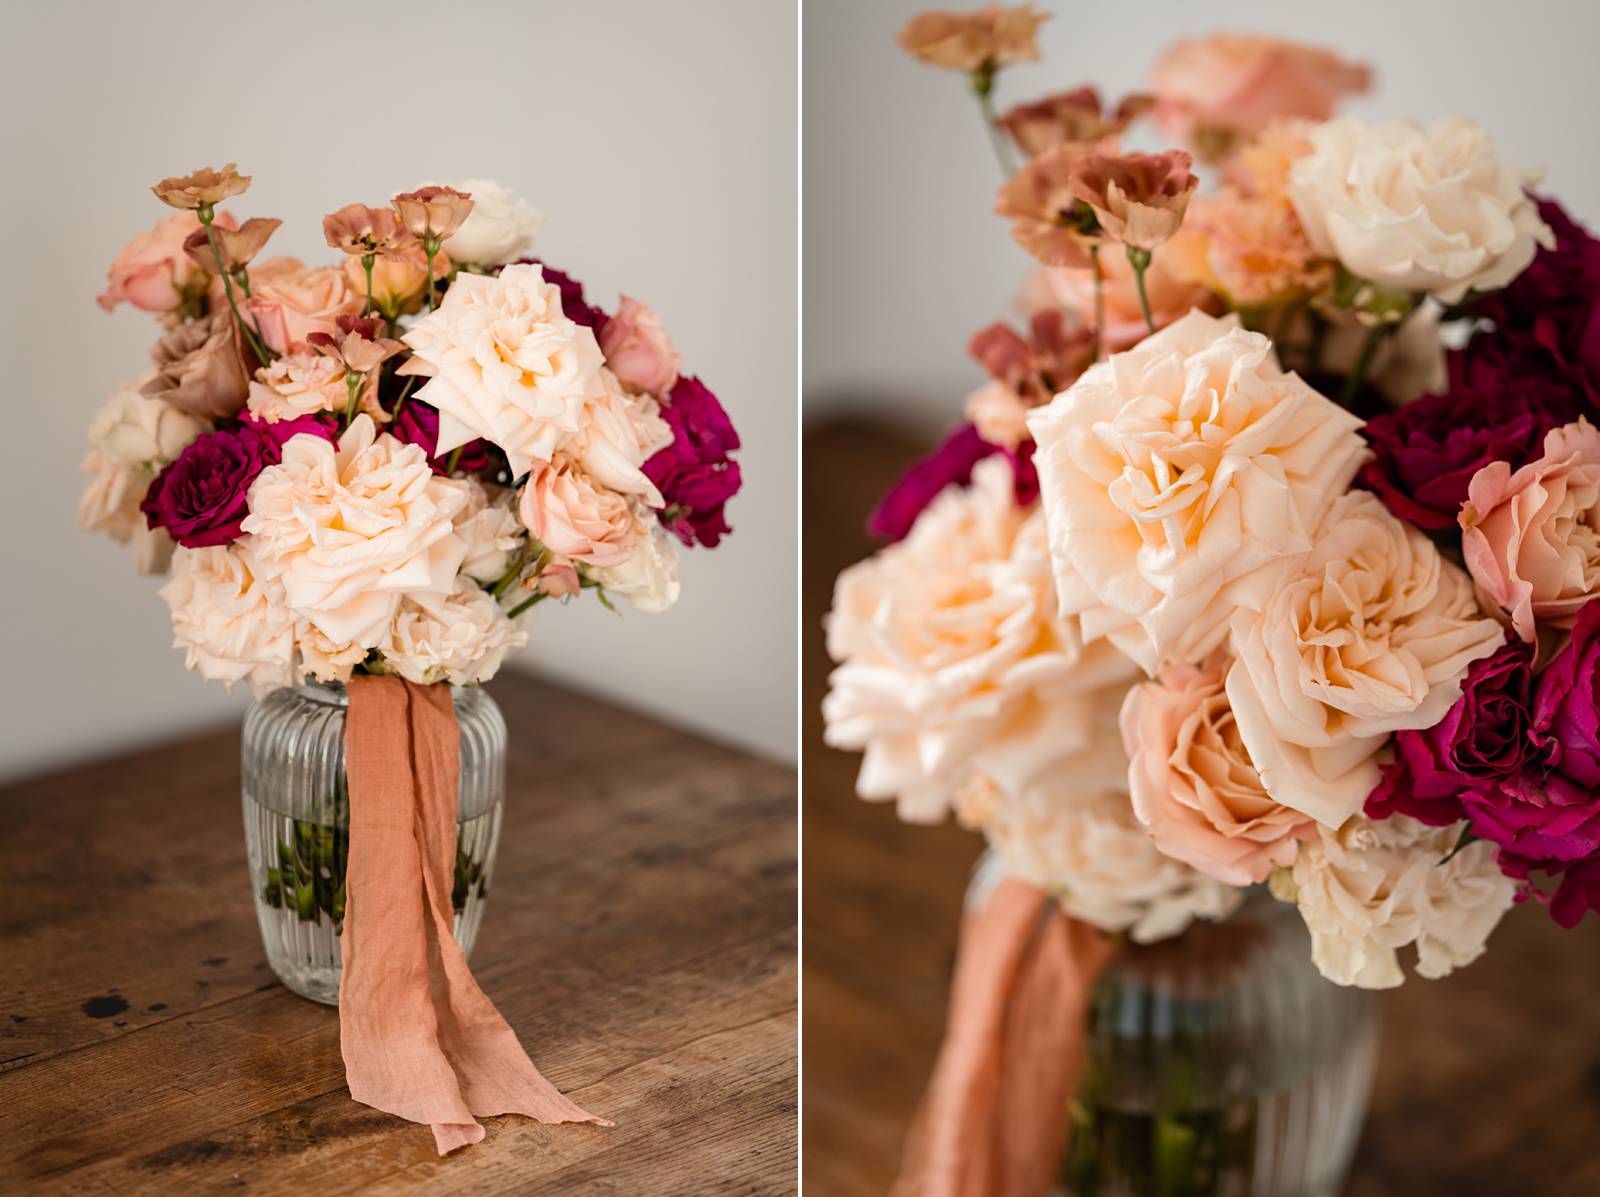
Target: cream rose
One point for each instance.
(500, 227)
(505, 364)
(1532, 538)
(351, 530)
(461, 641)
(110, 504)
(324, 659)
(647, 578)
(298, 384)
(1194, 785)
(565, 510)
(1178, 477)
(618, 433)
(1370, 634)
(230, 619)
(952, 656)
(489, 526)
(140, 432)
(1416, 209)
(1370, 887)
(1084, 845)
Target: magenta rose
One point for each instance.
(418, 424)
(200, 497)
(951, 464)
(1578, 893)
(573, 305)
(1566, 709)
(695, 474)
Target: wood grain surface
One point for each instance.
(640, 938)
(1488, 1081)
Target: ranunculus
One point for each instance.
(563, 508)
(489, 526)
(201, 498)
(500, 227)
(1531, 537)
(1426, 453)
(417, 423)
(637, 349)
(1071, 116)
(952, 656)
(971, 41)
(1482, 740)
(696, 474)
(1194, 785)
(1078, 839)
(230, 620)
(648, 578)
(353, 528)
(298, 384)
(152, 272)
(1370, 633)
(1209, 89)
(1432, 210)
(462, 640)
(1171, 297)
(1178, 477)
(138, 432)
(289, 302)
(573, 305)
(1367, 889)
(199, 370)
(504, 363)
(1139, 199)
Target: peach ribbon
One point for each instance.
(994, 1120)
(419, 1038)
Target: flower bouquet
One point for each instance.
(1263, 567)
(362, 476)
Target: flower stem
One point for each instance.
(1099, 299)
(450, 462)
(411, 381)
(1139, 259)
(1358, 373)
(366, 265)
(525, 604)
(982, 82)
(428, 248)
(263, 354)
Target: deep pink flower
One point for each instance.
(1566, 708)
(1578, 893)
(418, 424)
(695, 474)
(951, 464)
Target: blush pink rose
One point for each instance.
(291, 302)
(1531, 538)
(153, 270)
(637, 349)
(563, 508)
(1232, 84)
(1194, 785)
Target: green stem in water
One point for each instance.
(207, 214)
(982, 82)
(1099, 298)
(1139, 259)
(366, 265)
(1358, 373)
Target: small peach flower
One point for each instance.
(1048, 219)
(1139, 199)
(433, 212)
(1071, 116)
(357, 343)
(202, 188)
(238, 246)
(398, 281)
(1251, 250)
(298, 384)
(972, 41)
(361, 231)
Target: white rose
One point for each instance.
(489, 527)
(1370, 634)
(952, 656)
(1177, 478)
(1416, 209)
(1085, 846)
(505, 364)
(462, 641)
(1371, 887)
(649, 577)
(140, 432)
(110, 504)
(351, 530)
(500, 227)
(232, 621)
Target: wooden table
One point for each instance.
(640, 938)
(1488, 1082)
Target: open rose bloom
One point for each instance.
(381, 462)
(1293, 463)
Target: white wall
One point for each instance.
(658, 139)
(904, 260)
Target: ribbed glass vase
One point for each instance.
(1221, 1063)
(297, 823)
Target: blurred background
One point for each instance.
(664, 163)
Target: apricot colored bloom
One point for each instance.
(398, 280)
(289, 302)
(971, 41)
(1139, 199)
(1071, 116)
(1048, 218)
(1251, 250)
(361, 231)
(237, 246)
(1072, 292)
(202, 188)
(229, 618)
(298, 384)
(434, 212)
(152, 272)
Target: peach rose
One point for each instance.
(637, 350)
(1532, 538)
(324, 659)
(298, 384)
(1073, 292)
(1369, 634)
(153, 272)
(617, 434)
(1194, 785)
(291, 302)
(1227, 84)
(230, 619)
(563, 508)
(1179, 477)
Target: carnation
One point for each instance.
(298, 384)
(229, 618)
(696, 473)
(461, 640)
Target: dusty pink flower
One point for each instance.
(1139, 199)
(1072, 116)
(357, 342)
(152, 272)
(638, 351)
(1531, 538)
(202, 188)
(559, 579)
(433, 212)
(972, 41)
(1048, 218)
(563, 507)
(199, 369)
(360, 231)
(238, 246)
(289, 302)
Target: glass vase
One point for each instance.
(297, 824)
